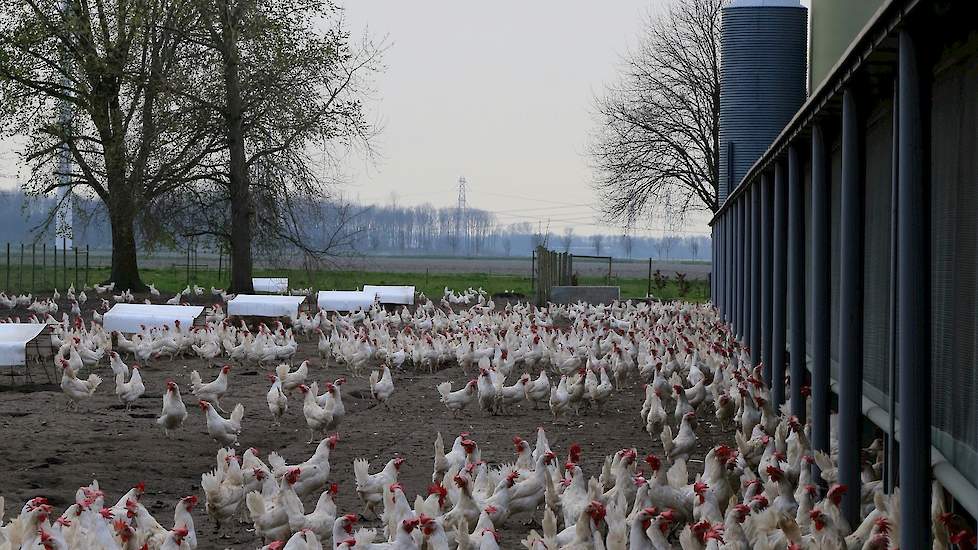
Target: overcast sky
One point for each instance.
(499, 92)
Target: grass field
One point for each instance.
(432, 284)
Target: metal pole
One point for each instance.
(850, 309)
(609, 270)
(734, 271)
(717, 267)
(745, 206)
(188, 263)
(821, 290)
(7, 287)
(87, 255)
(755, 279)
(724, 270)
(913, 313)
(780, 285)
(533, 269)
(890, 471)
(796, 281)
(44, 264)
(75, 248)
(741, 245)
(20, 270)
(64, 262)
(648, 293)
(767, 265)
(33, 262)
(713, 263)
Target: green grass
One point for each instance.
(170, 280)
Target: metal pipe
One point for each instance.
(850, 308)
(735, 267)
(821, 290)
(913, 295)
(767, 268)
(755, 279)
(779, 284)
(796, 281)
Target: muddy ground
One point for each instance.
(49, 452)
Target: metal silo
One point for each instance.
(763, 75)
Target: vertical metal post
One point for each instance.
(755, 275)
(188, 263)
(44, 264)
(767, 265)
(87, 255)
(20, 270)
(648, 293)
(713, 263)
(33, 262)
(796, 281)
(7, 286)
(850, 308)
(533, 269)
(76, 265)
(727, 272)
(734, 271)
(913, 297)
(609, 270)
(745, 263)
(821, 290)
(64, 262)
(721, 293)
(779, 284)
(890, 470)
(736, 238)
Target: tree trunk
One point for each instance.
(122, 215)
(125, 269)
(239, 181)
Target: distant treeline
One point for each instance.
(408, 230)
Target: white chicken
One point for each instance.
(174, 411)
(224, 430)
(212, 392)
(129, 392)
(76, 389)
(382, 387)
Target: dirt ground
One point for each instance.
(49, 452)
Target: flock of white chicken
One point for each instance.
(759, 492)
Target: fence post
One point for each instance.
(220, 261)
(33, 260)
(188, 263)
(533, 269)
(64, 262)
(609, 270)
(87, 255)
(75, 248)
(44, 264)
(20, 271)
(648, 292)
(7, 287)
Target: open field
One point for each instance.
(431, 283)
(50, 452)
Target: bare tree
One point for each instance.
(658, 137)
(567, 239)
(106, 67)
(286, 93)
(597, 241)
